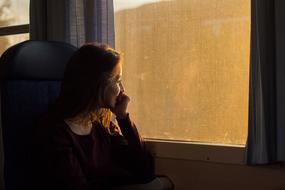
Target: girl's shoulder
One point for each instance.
(51, 129)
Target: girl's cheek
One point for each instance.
(118, 90)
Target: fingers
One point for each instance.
(121, 106)
(123, 97)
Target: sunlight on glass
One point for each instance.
(8, 41)
(187, 68)
(14, 12)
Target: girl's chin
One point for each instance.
(110, 104)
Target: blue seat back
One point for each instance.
(30, 73)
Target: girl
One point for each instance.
(79, 143)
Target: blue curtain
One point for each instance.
(72, 21)
(266, 130)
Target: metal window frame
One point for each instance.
(205, 152)
(15, 29)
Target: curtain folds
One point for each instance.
(265, 142)
(72, 21)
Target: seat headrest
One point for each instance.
(35, 60)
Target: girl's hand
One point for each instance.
(121, 106)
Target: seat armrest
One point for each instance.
(159, 183)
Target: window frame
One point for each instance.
(14, 29)
(196, 151)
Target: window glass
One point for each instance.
(14, 12)
(7, 41)
(186, 67)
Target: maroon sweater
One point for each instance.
(68, 161)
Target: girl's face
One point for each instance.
(113, 89)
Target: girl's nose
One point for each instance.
(122, 88)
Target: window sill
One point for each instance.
(217, 153)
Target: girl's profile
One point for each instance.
(87, 140)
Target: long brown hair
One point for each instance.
(86, 76)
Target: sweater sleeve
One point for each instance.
(130, 152)
(63, 169)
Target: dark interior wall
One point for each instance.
(200, 175)
(1, 161)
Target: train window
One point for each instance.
(14, 20)
(7, 41)
(186, 67)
